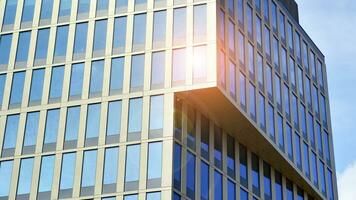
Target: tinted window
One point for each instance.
(119, 40)
(10, 135)
(17, 88)
(99, 42)
(137, 72)
(117, 75)
(179, 25)
(178, 65)
(61, 41)
(72, 123)
(46, 9)
(10, 12)
(52, 125)
(204, 182)
(67, 171)
(135, 115)
(139, 31)
(55, 91)
(156, 113)
(76, 80)
(37, 85)
(2, 86)
(154, 166)
(31, 130)
(64, 8)
(159, 28)
(80, 40)
(5, 46)
(25, 176)
(93, 121)
(28, 8)
(23, 46)
(89, 168)
(111, 165)
(132, 163)
(6, 175)
(200, 23)
(96, 78)
(46, 175)
(114, 118)
(158, 69)
(42, 44)
(190, 176)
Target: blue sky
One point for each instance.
(332, 26)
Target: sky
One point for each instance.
(332, 26)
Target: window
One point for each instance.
(119, 40)
(200, 23)
(80, 40)
(230, 157)
(267, 43)
(67, 174)
(2, 87)
(88, 173)
(22, 49)
(99, 42)
(320, 139)
(271, 129)
(313, 161)
(315, 100)
(64, 10)
(92, 124)
(298, 151)
(292, 72)
(260, 71)
(57, 76)
(280, 132)
(205, 127)
(96, 78)
(31, 130)
(137, 72)
(322, 177)
(267, 181)
(190, 187)
(278, 186)
(72, 125)
(231, 190)
(330, 185)
(231, 28)
(262, 115)
(113, 121)
(217, 146)
(10, 135)
(252, 102)
(286, 100)
(231, 7)
(199, 63)
(289, 185)
(269, 83)
(111, 163)
(258, 5)
(61, 43)
(251, 65)
(290, 36)
(10, 13)
(222, 70)
(46, 11)
(274, 16)
(284, 63)
(278, 90)
(159, 29)
(102, 7)
(240, 12)
(5, 46)
(218, 191)
(117, 75)
(51, 129)
(289, 138)
(326, 146)
(153, 196)
(46, 176)
(177, 161)
(232, 75)
(323, 111)
(140, 4)
(121, 6)
(18, 81)
(255, 174)
(259, 31)
(76, 81)
(305, 57)
(42, 45)
(135, 118)
(303, 120)
(191, 123)
(154, 166)
(266, 10)
(243, 165)
(249, 21)
(6, 175)
(204, 181)
(156, 116)
(25, 177)
(139, 32)
(178, 65)
(243, 194)
(241, 47)
(83, 8)
(242, 90)
(306, 160)
(27, 13)
(320, 74)
(295, 111)
(308, 92)
(311, 129)
(276, 53)
(179, 26)
(37, 86)
(158, 69)
(131, 197)
(132, 173)
(297, 46)
(282, 26)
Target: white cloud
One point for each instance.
(346, 183)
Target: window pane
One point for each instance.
(46, 9)
(199, 64)
(135, 116)
(177, 161)
(119, 40)
(72, 123)
(6, 175)
(232, 74)
(61, 41)
(137, 72)
(243, 165)
(83, 7)
(231, 190)
(290, 195)
(322, 177)
(282, 26)
(271, 129)
(274, 16)
(10, 12)
(37, 85)
(153, 196)
(80, 40)
(99, 42)
(139, 31)
(252, 102)
(298, 151)
(190, 176)
(42, 44)
(117, 75)
(179, 65)
(241, 45)
(55, 91)
(2, 87)
(231, 29)
(114, 118)
(221, 31)
(284, 63)
(154, 169)
(65, 8)
(102, 7)
(121, 5)
(249, 21)
(243, 194)
(131, 197)
(204, 182)
(25, 176)
(267, 181)
(5, 46)
(280, 132)
(17, 88)
(286, 101)
(179, 26)
(289, 141)
(132, 173)
(326, 146)
(31, 130)
(306, 160)
(76, 80)
(46, 175)
(278, 186)
(200, 23)
(242, 90)
(89, 168)
(159, 28)
(23, 47)
(156, 113)
(111, 166)
(67, 172)
(260, 71)
(93, 121)
(330, 185)
(269, 81)
(96, 78)
(314, 168)
(255, 175)
(52, 125)
(158, 69)
(262, 111)
(10, 135)
(258, 31)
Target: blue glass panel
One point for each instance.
(278, 186)
(111, 165)
(80, 40)
(46, 176)
(83, 6)
(23, 46)
(5, 174)
(139, 31)
(99, 42)
(267, 181)
(190, 176)
(114, 118)
(204, 181)
(68, 170)
(28, 8)
(218, 192)
(93, 121)
(25, 176)
(5, 46)
(120, 32)
(131, 197)
(52, 125)
(231, 190)
(2, 86)
(65, 8)
(330, 185)
(243, 165)
(298, 151)
(306, 160)
(179, 24)
(280, 132)
(153, 196)
(132, 172)
(17, 88)
(159, 26)
(177, 160)
(61, 41)
(156, 112)
(117, 74)
(158, 65)
(72, 123)
(55, 91)
(322, 177)
(89, 168)
(46, 9)
(154, 169)
(255, 175)
(10, 12)
(271, 128)
(37, 85)
(76, 80)
(243, 194)
(102, 5)
(12, 123)
(137, 71)
(42, 43)
(96, 77)
(135, 115)
(31, 128)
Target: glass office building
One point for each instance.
(160, 100)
